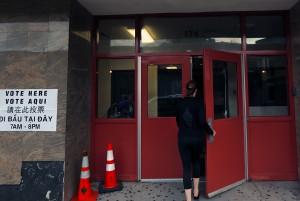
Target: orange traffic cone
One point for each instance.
(110, 183)
(85, 193)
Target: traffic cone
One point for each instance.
(85, 193)
(110, 183)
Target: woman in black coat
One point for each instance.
(190, 118)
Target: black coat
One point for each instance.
(191, 121)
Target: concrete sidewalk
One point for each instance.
(249, 191)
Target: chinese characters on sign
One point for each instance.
(28, 109)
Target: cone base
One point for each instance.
(93, 197)
(102, 189)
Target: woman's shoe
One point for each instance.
(197, 197)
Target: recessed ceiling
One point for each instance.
(125, 7)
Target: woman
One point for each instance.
(192, 125)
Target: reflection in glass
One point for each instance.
(197, 75)
(267, 82)
(115, 88)
(225, 89)
(265, 32)
(192, 34)
(116, 35)
(164, 88)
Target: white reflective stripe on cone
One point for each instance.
(110, 167)
(85, 174)
(110, 155)
(85, 162)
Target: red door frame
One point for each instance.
(225, 157)
(286, 52)
(269, 162)
(126, 156)
(159, 134)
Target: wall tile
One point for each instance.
(10, 158)
(78, 97)
(58, 41)
(3, 27)
(17, 41)
(24, 70)
(43, 147)
(37, 41)
(58, 26)
(3, 39)
(32, 56)
(38, 26)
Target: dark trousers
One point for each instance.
(190, 156)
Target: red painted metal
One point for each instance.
(272, 140)
(271, 150)
(160, 157)
(256, 131)
(225, 156)
(122, 133)
(123, 137)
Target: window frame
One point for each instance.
(115, 120)
(182, 91)
(243, 52)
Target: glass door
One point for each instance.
(225, 166)
(163, 82)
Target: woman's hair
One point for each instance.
(191, 87)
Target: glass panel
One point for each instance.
(267, 81)
(115, 88)
(116, 36)
(265, 33)
(164, 88)
(190, 34)
(225, 89)
(197, 75)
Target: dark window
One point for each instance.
(265, 33)
(225, 89)
(116, 36)
(267, 80)
(115, 88)
(164, 89)
(190, 34)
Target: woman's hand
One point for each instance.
(214, 132)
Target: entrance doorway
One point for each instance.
(225, 155)
(163, 81)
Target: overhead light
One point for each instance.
(253, 41)
(146, 37)
(227, 40)
(131, 31)
(263, 71)
(172, 67)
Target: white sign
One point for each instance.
(28, 109)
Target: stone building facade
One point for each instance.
(47, 45)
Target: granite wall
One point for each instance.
(34, 37)
(78, 98)
(295, 32)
